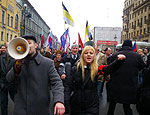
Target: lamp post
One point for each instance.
(25, 14)
(115, 42)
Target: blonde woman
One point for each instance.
(81, 87)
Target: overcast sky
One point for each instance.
(99, 13)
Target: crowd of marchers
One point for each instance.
(75, 78)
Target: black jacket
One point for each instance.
(83, 99)
(66, 64)
(123, 82)
(6, 63)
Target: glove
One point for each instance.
(17, 66)
(100, 68)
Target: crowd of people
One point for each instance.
(75, 79)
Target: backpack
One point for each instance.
(143, 93)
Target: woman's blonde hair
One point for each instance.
(82, 63)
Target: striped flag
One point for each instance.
(67, 17)
(87, 32)
(65, 39)
(49, 41)
(134, 48)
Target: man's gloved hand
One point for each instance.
(17, 66)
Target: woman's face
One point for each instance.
(88, 56)
(58, 56)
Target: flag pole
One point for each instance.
(65, 35)
(64, 26)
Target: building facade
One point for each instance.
(107, 37)
(18, 18)
(10, 13)
(32, 23)
(136, 20)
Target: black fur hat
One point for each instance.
(89, 43)
(29, 37)
(127, 43)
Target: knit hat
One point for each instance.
(29, 37)
(127, 43)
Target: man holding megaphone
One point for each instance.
(36, 74)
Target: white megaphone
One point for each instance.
(18, 48)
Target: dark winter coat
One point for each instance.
(66, 64)
(81, 95)
(123, 82)
(84, 97)
(6, 63)
(35, 79)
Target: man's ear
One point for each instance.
(36, 45)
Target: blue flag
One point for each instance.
(62, 39)
(65, 39)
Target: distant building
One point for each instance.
(18, 17)
(9, 20)
(107, 36)
(32, 23)
(136, 20)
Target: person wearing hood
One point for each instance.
(124, 81)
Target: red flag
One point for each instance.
(42, 39)
(80, 41)
(61, 47)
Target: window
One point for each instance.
(3, 17)
(132, 24)
(144, 30)
(16, 21)
(148, 29)
(130, 16)
(2, 36)
(7, 37)
(141, 21)
(138, 13)
(141, 32)
(129, 25)
(145, 8)
(8, 16)
(11, 37)
(137, 33)
(138, 23)
(141, 11)
(144, 19)
(131, 34)
(11, 21)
